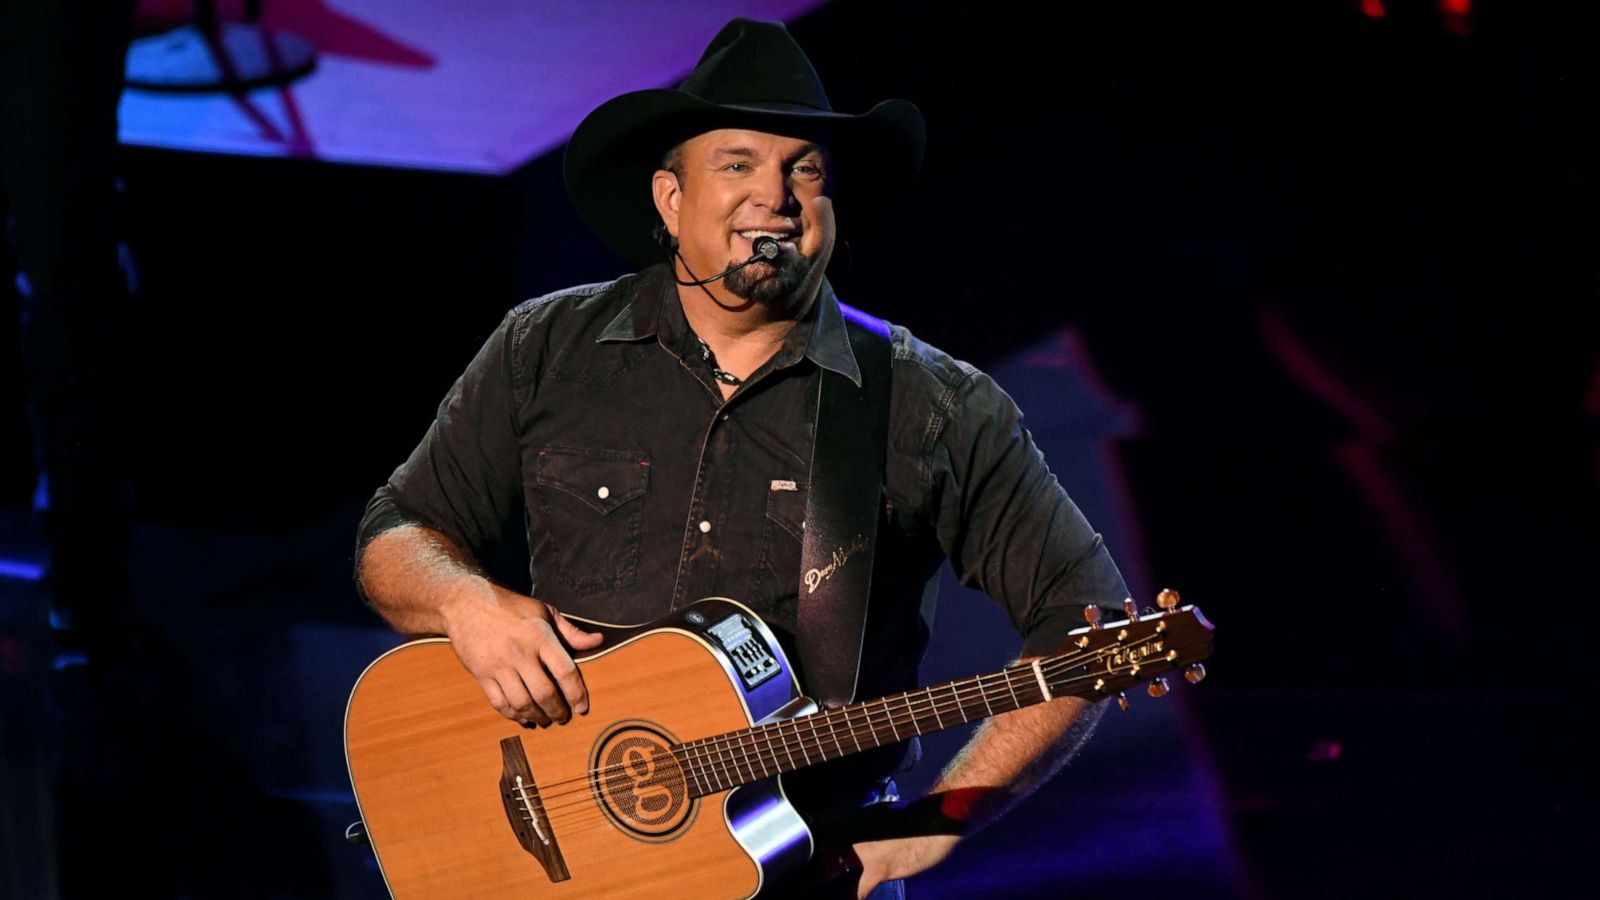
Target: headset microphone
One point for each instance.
(764, 248)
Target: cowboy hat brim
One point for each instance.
(618, 148)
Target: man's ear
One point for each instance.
(668, 193)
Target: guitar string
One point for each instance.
(745, 739)
(711, 749)
(572, 818)
(575, 821)
(733, 751)
(702, 769)
(703, 766)
(571, 823)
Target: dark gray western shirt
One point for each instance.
(592, 409)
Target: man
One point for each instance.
(658, 429)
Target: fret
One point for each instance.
(684, 766)
(756, 752)
(785, 744)
(955, 694)
(723, 762)
(701, 775)
(737, 760)
(762, 754)
(718, 763)
(753, 755)
(718, 778)
(775, 742)
(872, 729)
(802, 742)
(693, 765)
(769, 754)
(716, 760)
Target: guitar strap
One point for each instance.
(842, 509)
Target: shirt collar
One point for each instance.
(829, 344)
(639, 316)
(653, 310)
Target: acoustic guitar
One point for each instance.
(669, 785)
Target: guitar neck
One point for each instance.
(729, 760)
(1102, 661)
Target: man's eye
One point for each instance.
(737, 167)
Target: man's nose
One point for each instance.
(774, 190)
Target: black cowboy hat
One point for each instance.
(753, 75)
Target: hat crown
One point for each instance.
(756, 64)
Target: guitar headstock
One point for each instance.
(1106, 658)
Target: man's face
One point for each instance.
(736, 185)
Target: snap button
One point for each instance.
(705, 527)
(604, 492)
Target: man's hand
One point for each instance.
(513, 645)
(899, 858)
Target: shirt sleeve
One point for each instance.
(1009, 528)
(464, 479)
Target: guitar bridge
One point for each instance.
(525, 811)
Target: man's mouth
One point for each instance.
(786, 239)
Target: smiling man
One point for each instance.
(748, 184)
(663, 431)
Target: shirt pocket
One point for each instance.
(786, 508)
(777, 575)
(588, 508)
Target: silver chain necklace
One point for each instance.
(721, 375)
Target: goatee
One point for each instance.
(772, 283)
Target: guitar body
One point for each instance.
(460, 802)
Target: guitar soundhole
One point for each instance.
(639, 782)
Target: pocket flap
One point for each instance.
(603, 479)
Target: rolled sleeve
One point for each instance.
(463, 478)
(1008, 526)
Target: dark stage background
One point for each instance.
(1337, 259)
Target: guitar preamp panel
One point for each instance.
(751, 657)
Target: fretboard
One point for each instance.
(729, 760)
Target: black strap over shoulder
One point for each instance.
(842, 509)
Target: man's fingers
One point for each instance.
(573, 635)
(546, 695)
(510, 697)
(522, 664)
(565, 672)
(496, 697)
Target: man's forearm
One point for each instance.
(412, 575)
(1011, 755)
(1006, 759)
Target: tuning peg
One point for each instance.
(1167, 600)
(1122, 701)
(1091, 614)
(1158, 688)
(1194, 674)
(1130, 609)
